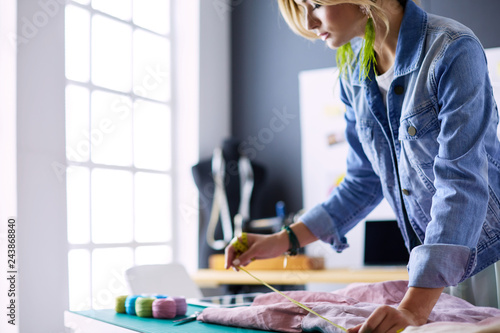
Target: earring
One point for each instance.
(344, 58)
(367, 52)
(367, 59)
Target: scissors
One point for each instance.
(187, 319)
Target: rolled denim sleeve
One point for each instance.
(358, 194)
(460, 202)
(450, 264)
(321, 224)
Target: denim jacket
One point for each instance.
(433, 153)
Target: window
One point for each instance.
(118, 144)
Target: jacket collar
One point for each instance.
(410, 45)
(411, 39)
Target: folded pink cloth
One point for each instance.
(347, 307)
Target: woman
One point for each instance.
(421, 127)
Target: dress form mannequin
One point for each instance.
(204, 179)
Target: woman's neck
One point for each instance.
(385, 48)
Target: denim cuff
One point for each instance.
(320, 223)
(440, 265)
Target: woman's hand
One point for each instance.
(268, 246)
(385, 319)
(414, 310)
(259, 247)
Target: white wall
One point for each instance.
(201, 105)
(41, 189)
(215, 78)
(186, 90)
(7, 156)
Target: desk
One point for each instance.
(210, 278)
(108, 321)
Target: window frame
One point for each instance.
(91, 246)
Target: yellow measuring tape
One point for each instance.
(241, 245)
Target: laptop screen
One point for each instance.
(384, 244)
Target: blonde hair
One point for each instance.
(295, 18)
(294, 14)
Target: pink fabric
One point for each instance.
(347, 307)
(489, 325)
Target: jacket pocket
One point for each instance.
(418, 136)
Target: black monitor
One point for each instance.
(384, 244)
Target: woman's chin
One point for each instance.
(333, 44)
(330, 44)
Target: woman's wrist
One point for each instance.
(294, 245)
(283, 241)
(302, 233)
(419, 302)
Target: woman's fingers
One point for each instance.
(385, 319)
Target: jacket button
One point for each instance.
(406, 192)
(399, 90)
(412, 130)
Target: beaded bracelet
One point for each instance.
(294, 242)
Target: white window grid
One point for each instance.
(100, 294)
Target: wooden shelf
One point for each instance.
(213, 278)
(298, 262)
